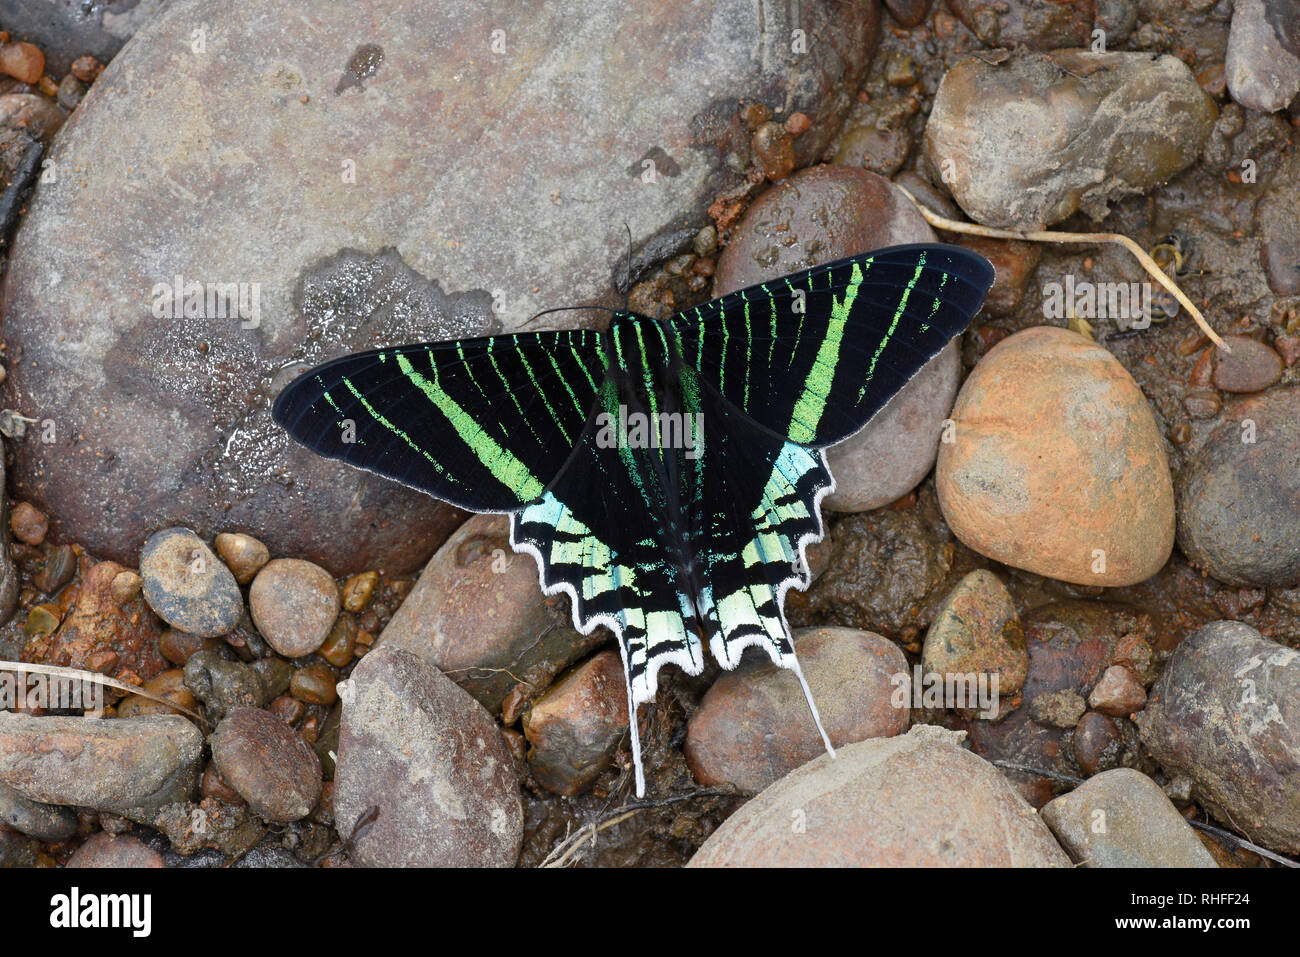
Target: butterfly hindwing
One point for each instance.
(603, 534)
(814, 355)
(485, 424)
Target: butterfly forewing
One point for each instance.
(813, 356)
(485, 424)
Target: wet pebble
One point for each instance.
(170, 685)
(1250, 367)
(115, 851)
(477, 615)
(129, 766)
(23, 61)
(575, 727)
(1118, 693)
(1263, 59)
(186, 585)
(294, 604)
(916, 800)
(243, 554)
(268, 764)
(58, 568)
(1056, 464)
(1225, 713)
(314, 683)
(976, 629)
(753, 725)
(1089, 128)
(1096, 743)
(1239, 496)
(177, 646)
(28, 523)
(1014, 263)
(358, 590)
(103, 634)
(1121, 818)
(432, 762)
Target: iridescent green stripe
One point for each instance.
(508, 470)
(898, 314)
(812, 400)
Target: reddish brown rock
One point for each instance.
(294, 604)
(23, 61)
(1057, 465)
(101, 634)
(478, 615)
(917, 800)
(1251, 366)
(575, 727)
(1096, 743)
(1118, 693)
(268, 764)
(753, 725)
(243, 554)
(115, 850)
(28, 523)
(1014, 263)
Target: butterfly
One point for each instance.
(666, 475)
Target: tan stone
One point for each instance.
(1057, 466)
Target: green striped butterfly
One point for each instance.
(666, 475)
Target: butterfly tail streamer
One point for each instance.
(812, 706)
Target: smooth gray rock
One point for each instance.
(1262, 67)
(1121, 818)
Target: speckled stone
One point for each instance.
(186, 584)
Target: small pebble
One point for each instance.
(315, 684)
(1250, 367)
(358, 590)
(287, 708)
(169, 685)
(22, 61)
(86, 68)
(126, 586)
(214, 785)
(57, 569)
(177, 646)
(243, 555)
(294, 604)
(1096, 743)
(268, 764)
(341, 643)
(70, 92)
(1118, 693)
(1202, 404)
(773, 151)
(28, 523)
(187, 586)
(796, 124)
(1058, 709)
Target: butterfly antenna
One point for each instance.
(546, 312)
(627, 288)
(812, 706)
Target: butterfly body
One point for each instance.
(666, 475)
